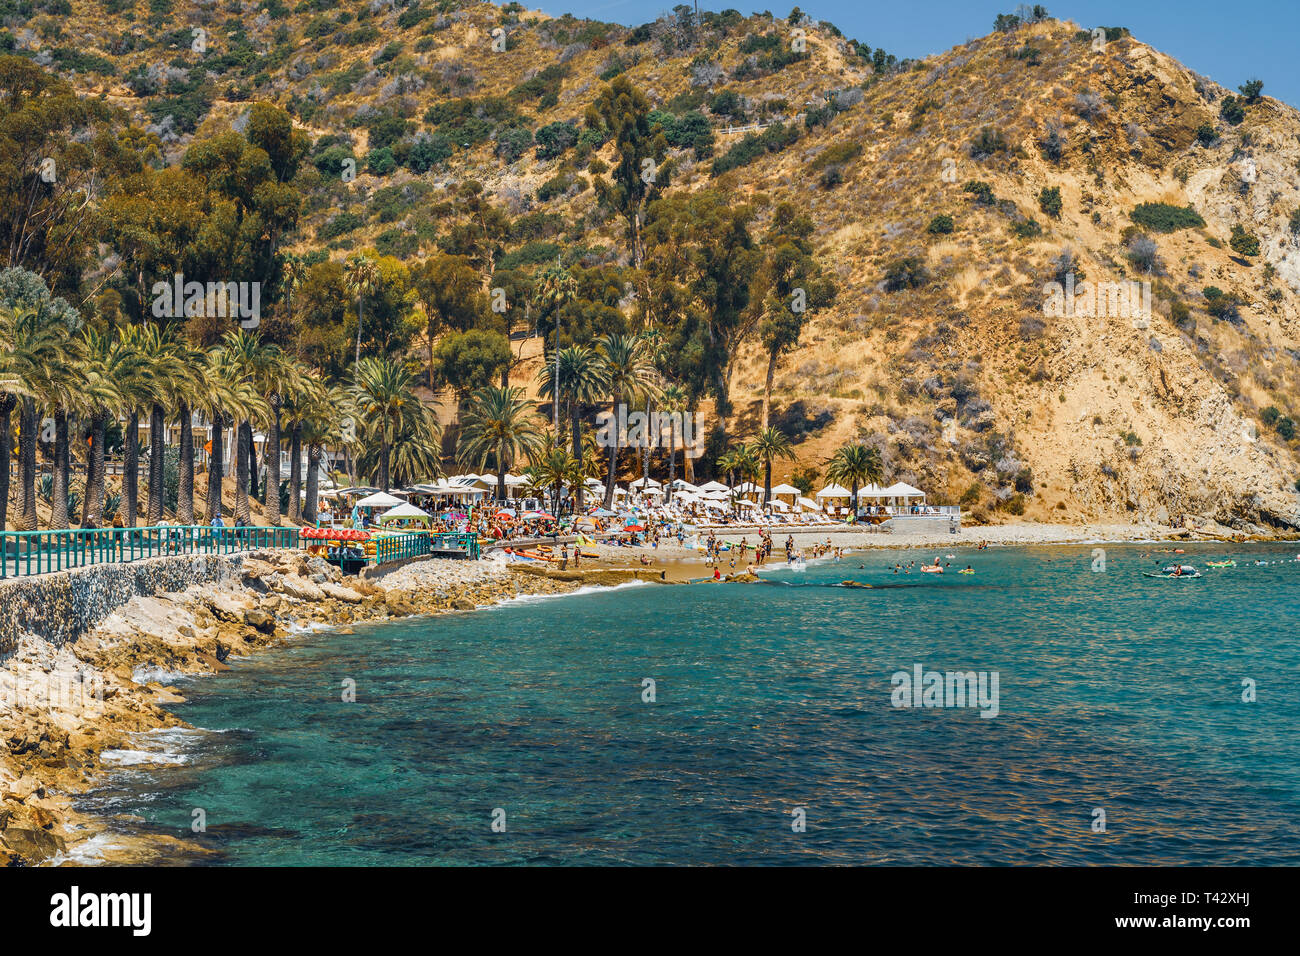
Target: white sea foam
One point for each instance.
(88, 852)
(585, 589)
(163, 746)
(150, 673)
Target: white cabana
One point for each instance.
(833, 491)
(714, 486)
(644, 482)
(747, 488)
(902, 489)
(786, 490)
(681, 484)
(379, 499)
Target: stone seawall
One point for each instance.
(61, 606)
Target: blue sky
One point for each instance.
(1229, 42)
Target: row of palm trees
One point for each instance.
(66, 382)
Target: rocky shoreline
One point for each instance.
(64, 705)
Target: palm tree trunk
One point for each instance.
(501, 473)
(7, 405)
(185, 480)
(253, 470)
(295, 472)
(361, 304)
(575, 428)
(92, 509)
(131, 473)
(613, 458)
(271, 454)
(313, 472)
(383, 463)
(243, 434)
(216, 467)
(767, 388)
(767, 482)
(27, 426)
(645, 459)
(59, 491)
(157, 446)
(672, 463)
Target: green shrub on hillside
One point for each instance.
(940, 225)
(1049, 201)
(1162, 217)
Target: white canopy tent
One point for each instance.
(784, 489)
(902, 489)
(833, 491)
(714, 486)
(403, 511)
(379, 499)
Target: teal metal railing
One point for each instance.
(450, 541)
(40, 552)
(399, 547)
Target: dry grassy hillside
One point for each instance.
(953, 369)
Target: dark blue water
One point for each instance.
(1115, 692)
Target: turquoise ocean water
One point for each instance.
(1116, 692)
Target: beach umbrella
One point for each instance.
(602, 513)
(634, 527)
(506, 513)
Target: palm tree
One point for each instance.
(582, 382)
(306, 400)
(553, 468)
(322, 413)
(555, 288)
(360, 277)
(279, 379)
(68, 391)
(673, 401)
(501, 423)
(188, 394)
(628, 375)
(747, 465)
(384, 392)
(854, 465)
(247, 357)
(34, 345)
(170, 364)
(222, 390)
(771, 444)
(142, 393)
